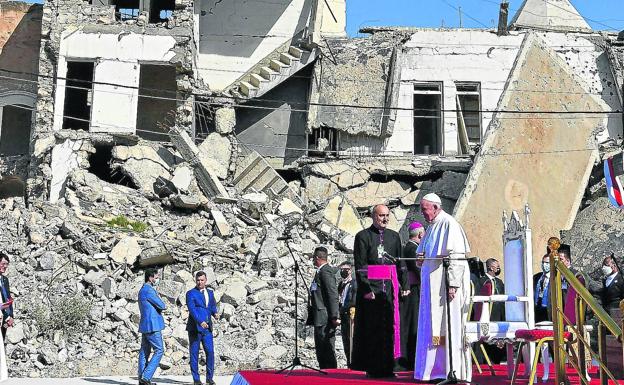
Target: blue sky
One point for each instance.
(430, 13)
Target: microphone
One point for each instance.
(389, 257)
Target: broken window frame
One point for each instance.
(333, 137)
(69, 86)
(429, 88)
(463, 91)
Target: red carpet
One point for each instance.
(343, 376)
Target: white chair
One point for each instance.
(518, 297)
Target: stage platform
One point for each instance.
(344, 376)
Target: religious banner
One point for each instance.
(613, 171)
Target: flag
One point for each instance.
(614, 171)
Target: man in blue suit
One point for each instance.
(150, 326)
(202, 306)
(5, 296)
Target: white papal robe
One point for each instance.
(444, 236)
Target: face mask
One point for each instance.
(344, 273)
(607, 270)
(156, 281)
(497, 272)
(546, 267)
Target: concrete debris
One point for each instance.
(253, 173)
(376, 193)
(221, 224)
(126, 250)
(225, 120)
(205, 175)
(142, 164)
(217, 150)
(182, 178)
(341, 214)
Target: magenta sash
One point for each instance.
(390, 272)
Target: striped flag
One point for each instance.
(614, 171)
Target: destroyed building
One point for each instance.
(203, 134)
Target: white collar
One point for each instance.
(490, 276)
(320, 267)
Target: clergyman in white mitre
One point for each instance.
(444, 237)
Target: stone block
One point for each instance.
(126, 250)
(225, 120)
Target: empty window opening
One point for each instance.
(157, 102)
(322, 142)
(78, 95)
(161, 10)
(469, 107)
(100, 165)
(127, 9)
(428, 118)
(15, 130)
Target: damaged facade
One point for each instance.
(199, 134)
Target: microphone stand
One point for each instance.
(451, 377)
(296, 361)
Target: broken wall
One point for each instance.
(542, 159)
(117, 48)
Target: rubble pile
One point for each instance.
(76, 264)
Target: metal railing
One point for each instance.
(574, 350)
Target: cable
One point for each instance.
(353, 106)
(470, 17)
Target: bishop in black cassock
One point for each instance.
(373, 343)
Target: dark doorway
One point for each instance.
(157, 101)
(15, 133)
(78, 95)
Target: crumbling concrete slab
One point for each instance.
(544, 160)
(222, 225)
(142, 164)
(377, 193)
(341, 214)
(206, 177)
(217, 150)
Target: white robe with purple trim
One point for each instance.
(444, 236)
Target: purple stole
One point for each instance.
(390, 272)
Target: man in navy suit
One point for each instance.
(202, 306)
(150, 326)
(5, 296)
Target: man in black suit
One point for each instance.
(346, 291)
(612, 291)
(323, 309)
(541, 289)
(488, 285)
(5, 293)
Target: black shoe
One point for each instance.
(145, 382)
(210, 382)
(198, 383)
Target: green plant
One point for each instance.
(122, 222)
(67, 313)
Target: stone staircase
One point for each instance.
(273, 70)
(254, 174)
